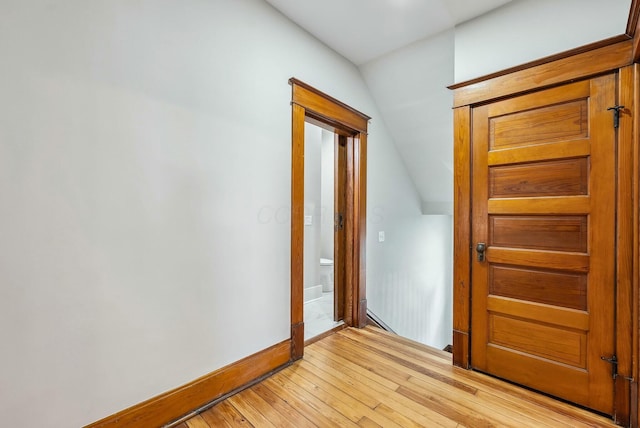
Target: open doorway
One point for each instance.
(323, 230)
(349, 126)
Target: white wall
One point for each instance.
(145, 186)
(327, 184)
(527, 30)
(410, 88)
(411, 291)
(312, 206)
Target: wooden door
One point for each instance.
(544, 206)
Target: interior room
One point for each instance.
(146, 183)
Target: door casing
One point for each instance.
(313, 106)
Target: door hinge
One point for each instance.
(616, 114)
(339, 222)
(614, 368)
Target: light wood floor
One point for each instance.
(370, 378)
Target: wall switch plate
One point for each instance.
(308, 220)
(381, 236)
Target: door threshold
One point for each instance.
(321, 336)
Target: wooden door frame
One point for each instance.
(339, 241)
(313, 106)
(582, 65)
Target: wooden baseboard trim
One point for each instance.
(174, 404)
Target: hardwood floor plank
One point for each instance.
(342, 384)
(444, 408)
(215, 419)
(396, 362)
(232, 416)
(523, 399)
(466, 404)
(310, 413)
(392, 339)
(418, 415)
(350, 351)
(370, 378)
(439, 386)
(282, 407)
(267, 412)
(405, 346)
(349, 366)
(439, 393)
(408, 418)
(242, 403)
(346, 414)
(365, 422)
(349, 404)
(406, 359)
(197, 422)
(430, 383)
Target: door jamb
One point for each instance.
(310, 105)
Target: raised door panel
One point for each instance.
(543, 204)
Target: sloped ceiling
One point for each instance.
(362, 30)
(405, 50)
(391, 41)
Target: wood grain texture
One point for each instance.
(350, 276)
(632, 28)
(554, 260)
(545, 60)
(538, 313)
(340, 236)
(558, 122)
(461, 349)
(635, 282)
(360, 234)
(480, 234)
(368, 377)
(547, 72)
(565, 289)
(633, 21)
(552, 178)
(554, 233)
(461, 234)
(310, 104)
(574, 67)
(171, 405)
(542, 205)
(540, 152)
(532, 338)
(297, 214)
(602, 240)
(554, 349)
(624, 243)
(297, 341)
(326, 108)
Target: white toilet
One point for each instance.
(326, 274)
